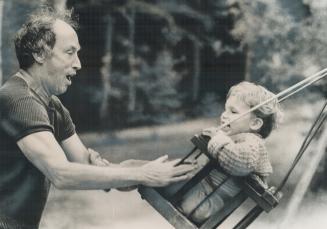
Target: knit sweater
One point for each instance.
(245, 153)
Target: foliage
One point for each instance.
(157, 97)
(150, 93)
(285, 47)
(182, 48)
(209, 106)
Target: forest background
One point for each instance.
(155, 72)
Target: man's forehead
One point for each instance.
(65, 34)
(59, 26)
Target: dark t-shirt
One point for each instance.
(23, 188)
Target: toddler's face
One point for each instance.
(234, 107)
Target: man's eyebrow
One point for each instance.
(74, 48)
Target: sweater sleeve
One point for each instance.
(244, 157)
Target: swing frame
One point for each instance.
(165, 200)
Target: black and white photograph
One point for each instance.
(163, 114)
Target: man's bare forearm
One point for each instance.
(79, 176)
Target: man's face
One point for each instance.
(63, 62)
(234, 107)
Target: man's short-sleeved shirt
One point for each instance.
(24, 111)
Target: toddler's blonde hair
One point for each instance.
(252, 95)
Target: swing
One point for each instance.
(167, 200)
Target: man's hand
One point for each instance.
(161, 172)
(131, 163)
(96, 159)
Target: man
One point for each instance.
(38, 142)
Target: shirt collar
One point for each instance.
(34, 85)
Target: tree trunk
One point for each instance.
(1, 17)
(106, 71)
(248, 61)
(196, 69)
(14, 14)
(132, 63)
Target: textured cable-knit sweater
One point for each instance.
(245, 153)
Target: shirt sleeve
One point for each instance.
(243, 158)
(66, 126)
(24, 116)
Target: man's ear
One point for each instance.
(256, 124)
(39, 57)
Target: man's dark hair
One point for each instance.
(37, 36)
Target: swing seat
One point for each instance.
(167, 200)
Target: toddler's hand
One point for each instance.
(211, 131)
(217, 142)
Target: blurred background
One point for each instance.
(155, 72)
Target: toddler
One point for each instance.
(239, 149)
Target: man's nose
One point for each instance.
(77, 64)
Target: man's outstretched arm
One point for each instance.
(45, 153)
(76, 151)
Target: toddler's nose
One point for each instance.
(223, 116)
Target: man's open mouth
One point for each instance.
(69, 77)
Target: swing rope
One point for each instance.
(281, 96)
(257, 210)
(310, 136)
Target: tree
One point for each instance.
(281, 47)
(1, 18)
(139, 33)
(105, 70)
(15, 11)
(159, 100)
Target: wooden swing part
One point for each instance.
(167, 200)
